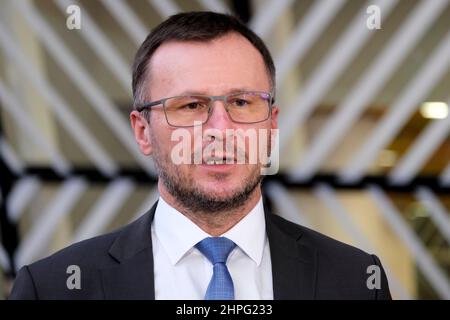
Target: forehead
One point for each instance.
(212, 67)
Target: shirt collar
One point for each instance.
(249, 234)
(178, 234)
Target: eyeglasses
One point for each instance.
(242, 107)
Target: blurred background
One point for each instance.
(364, 125)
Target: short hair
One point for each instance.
(192, 26)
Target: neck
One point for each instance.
(214, 224)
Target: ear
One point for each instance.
(274, 117)
(141, 130)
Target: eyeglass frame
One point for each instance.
(149, 105)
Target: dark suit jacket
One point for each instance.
(119, 265)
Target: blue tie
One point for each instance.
(217, 250)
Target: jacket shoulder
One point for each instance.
(342, 271)
(48, 278)
(92, 252)
(324, 244)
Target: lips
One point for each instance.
(219, 160)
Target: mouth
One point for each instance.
(219, 161)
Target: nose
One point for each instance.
(219, 117)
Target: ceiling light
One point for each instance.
(434, 110)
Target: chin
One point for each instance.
(220, 190)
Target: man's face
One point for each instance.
(222, 66)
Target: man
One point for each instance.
(208, 236)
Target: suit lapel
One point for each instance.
(133, 276)
(131, 279)
(293, 264)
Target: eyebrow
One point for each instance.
(204, 93)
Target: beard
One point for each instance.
(197, 200)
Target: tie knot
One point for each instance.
(216, 249)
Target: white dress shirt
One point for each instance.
(182, 272)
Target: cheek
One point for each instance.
(162, 140)
(265, 144)
(160, 130)
(173, 146)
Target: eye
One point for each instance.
(241, 102)
(193, 106)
